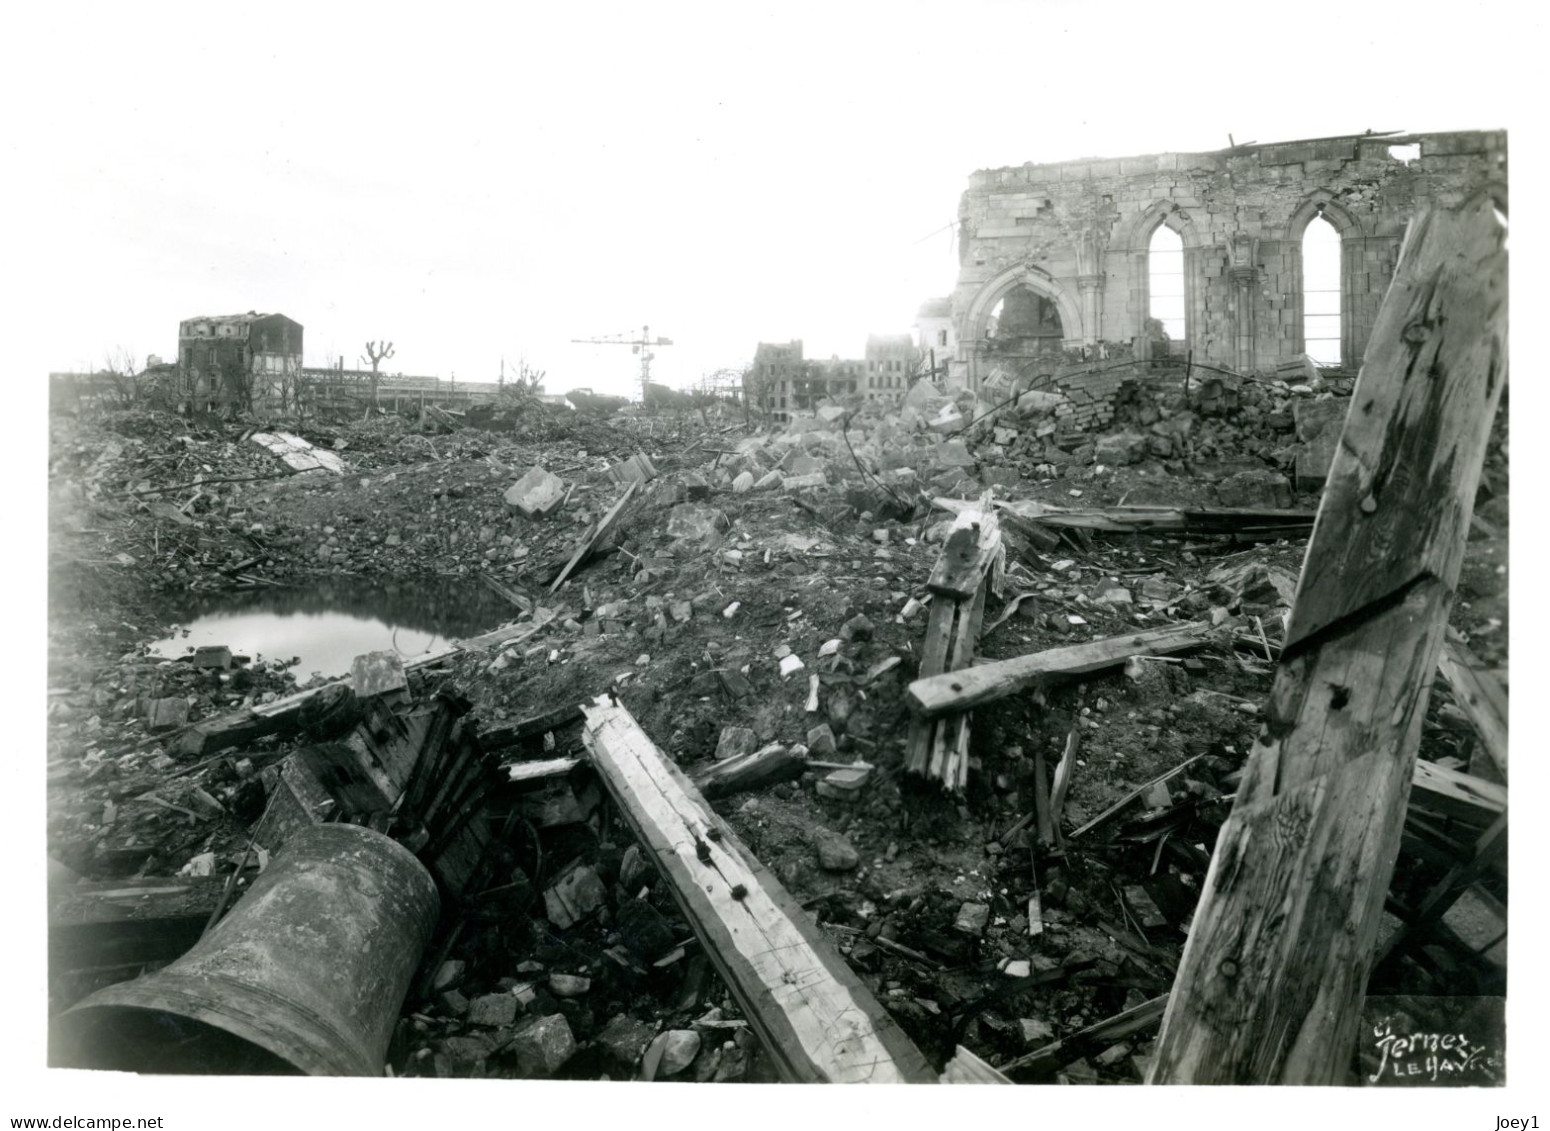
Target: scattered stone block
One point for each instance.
(836, 854)
(643, 930)
(953, 453)
(802, 482)
(770, 481)
(574, 896)
(543, 1045)
(216, 656)
(466, 1055)
(378, 673)
(735, 741)
(743, 483)
(448, 975)
(167, 714)
(569, 985)
(1035, 1032)
(1120, 449)
(972, 918)
(624, 1039)
(678, 1048)
(536, 494)
(492, 1010)
(1259, 487)
(695, 522)
(845, 785)
(637, 469)
(820, 741)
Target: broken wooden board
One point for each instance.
(1481, 696)
(934, 694)
(1148, 519)
(228, 732)
(765, 766)
(970, 551)
(122, 922)
(594, 538)
(1458, 796)
(816, 1019)
(499, 736)
(1273, 974)
(1134, 795)
(519, 772)
(1085, 1042)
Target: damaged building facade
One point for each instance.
(1207, 255)
(786, 382)
(233, 361)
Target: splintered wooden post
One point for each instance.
(815, 1018)
(1271, 983)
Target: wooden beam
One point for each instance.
(932, 694)
(594, 537)
(1273, 975)
(1085, 1042)
(1481, 696)
(1459, 796)
(120, 922)
(815, 1018)
(1134, 795)
(765, 766)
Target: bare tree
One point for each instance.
(377, 352)
(119, 366)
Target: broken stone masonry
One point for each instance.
(745, 616)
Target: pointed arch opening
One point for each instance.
(1322, 313)
(1165, 283)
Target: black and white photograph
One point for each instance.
(690, 544)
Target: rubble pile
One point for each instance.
(756, 600)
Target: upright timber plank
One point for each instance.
(815, 1018)
(1270, 986)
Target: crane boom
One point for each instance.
(638, 343)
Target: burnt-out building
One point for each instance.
(235, 361)
(1246, 258)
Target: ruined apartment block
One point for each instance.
(234, 361)
(791, 383)
(1198, 254)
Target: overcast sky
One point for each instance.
(474, 184)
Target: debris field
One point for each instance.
(893, 742)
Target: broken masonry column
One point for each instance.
(1243, 277)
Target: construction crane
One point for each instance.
(638, 343)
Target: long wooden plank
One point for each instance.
(933, 659)
(589, 544)
(1094, 1038)
(1480, 696)
(933, 695)
(814, 1016)
(1273, 975)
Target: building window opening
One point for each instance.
(1321, 291)
(1165, 281)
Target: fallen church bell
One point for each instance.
(306, 974)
